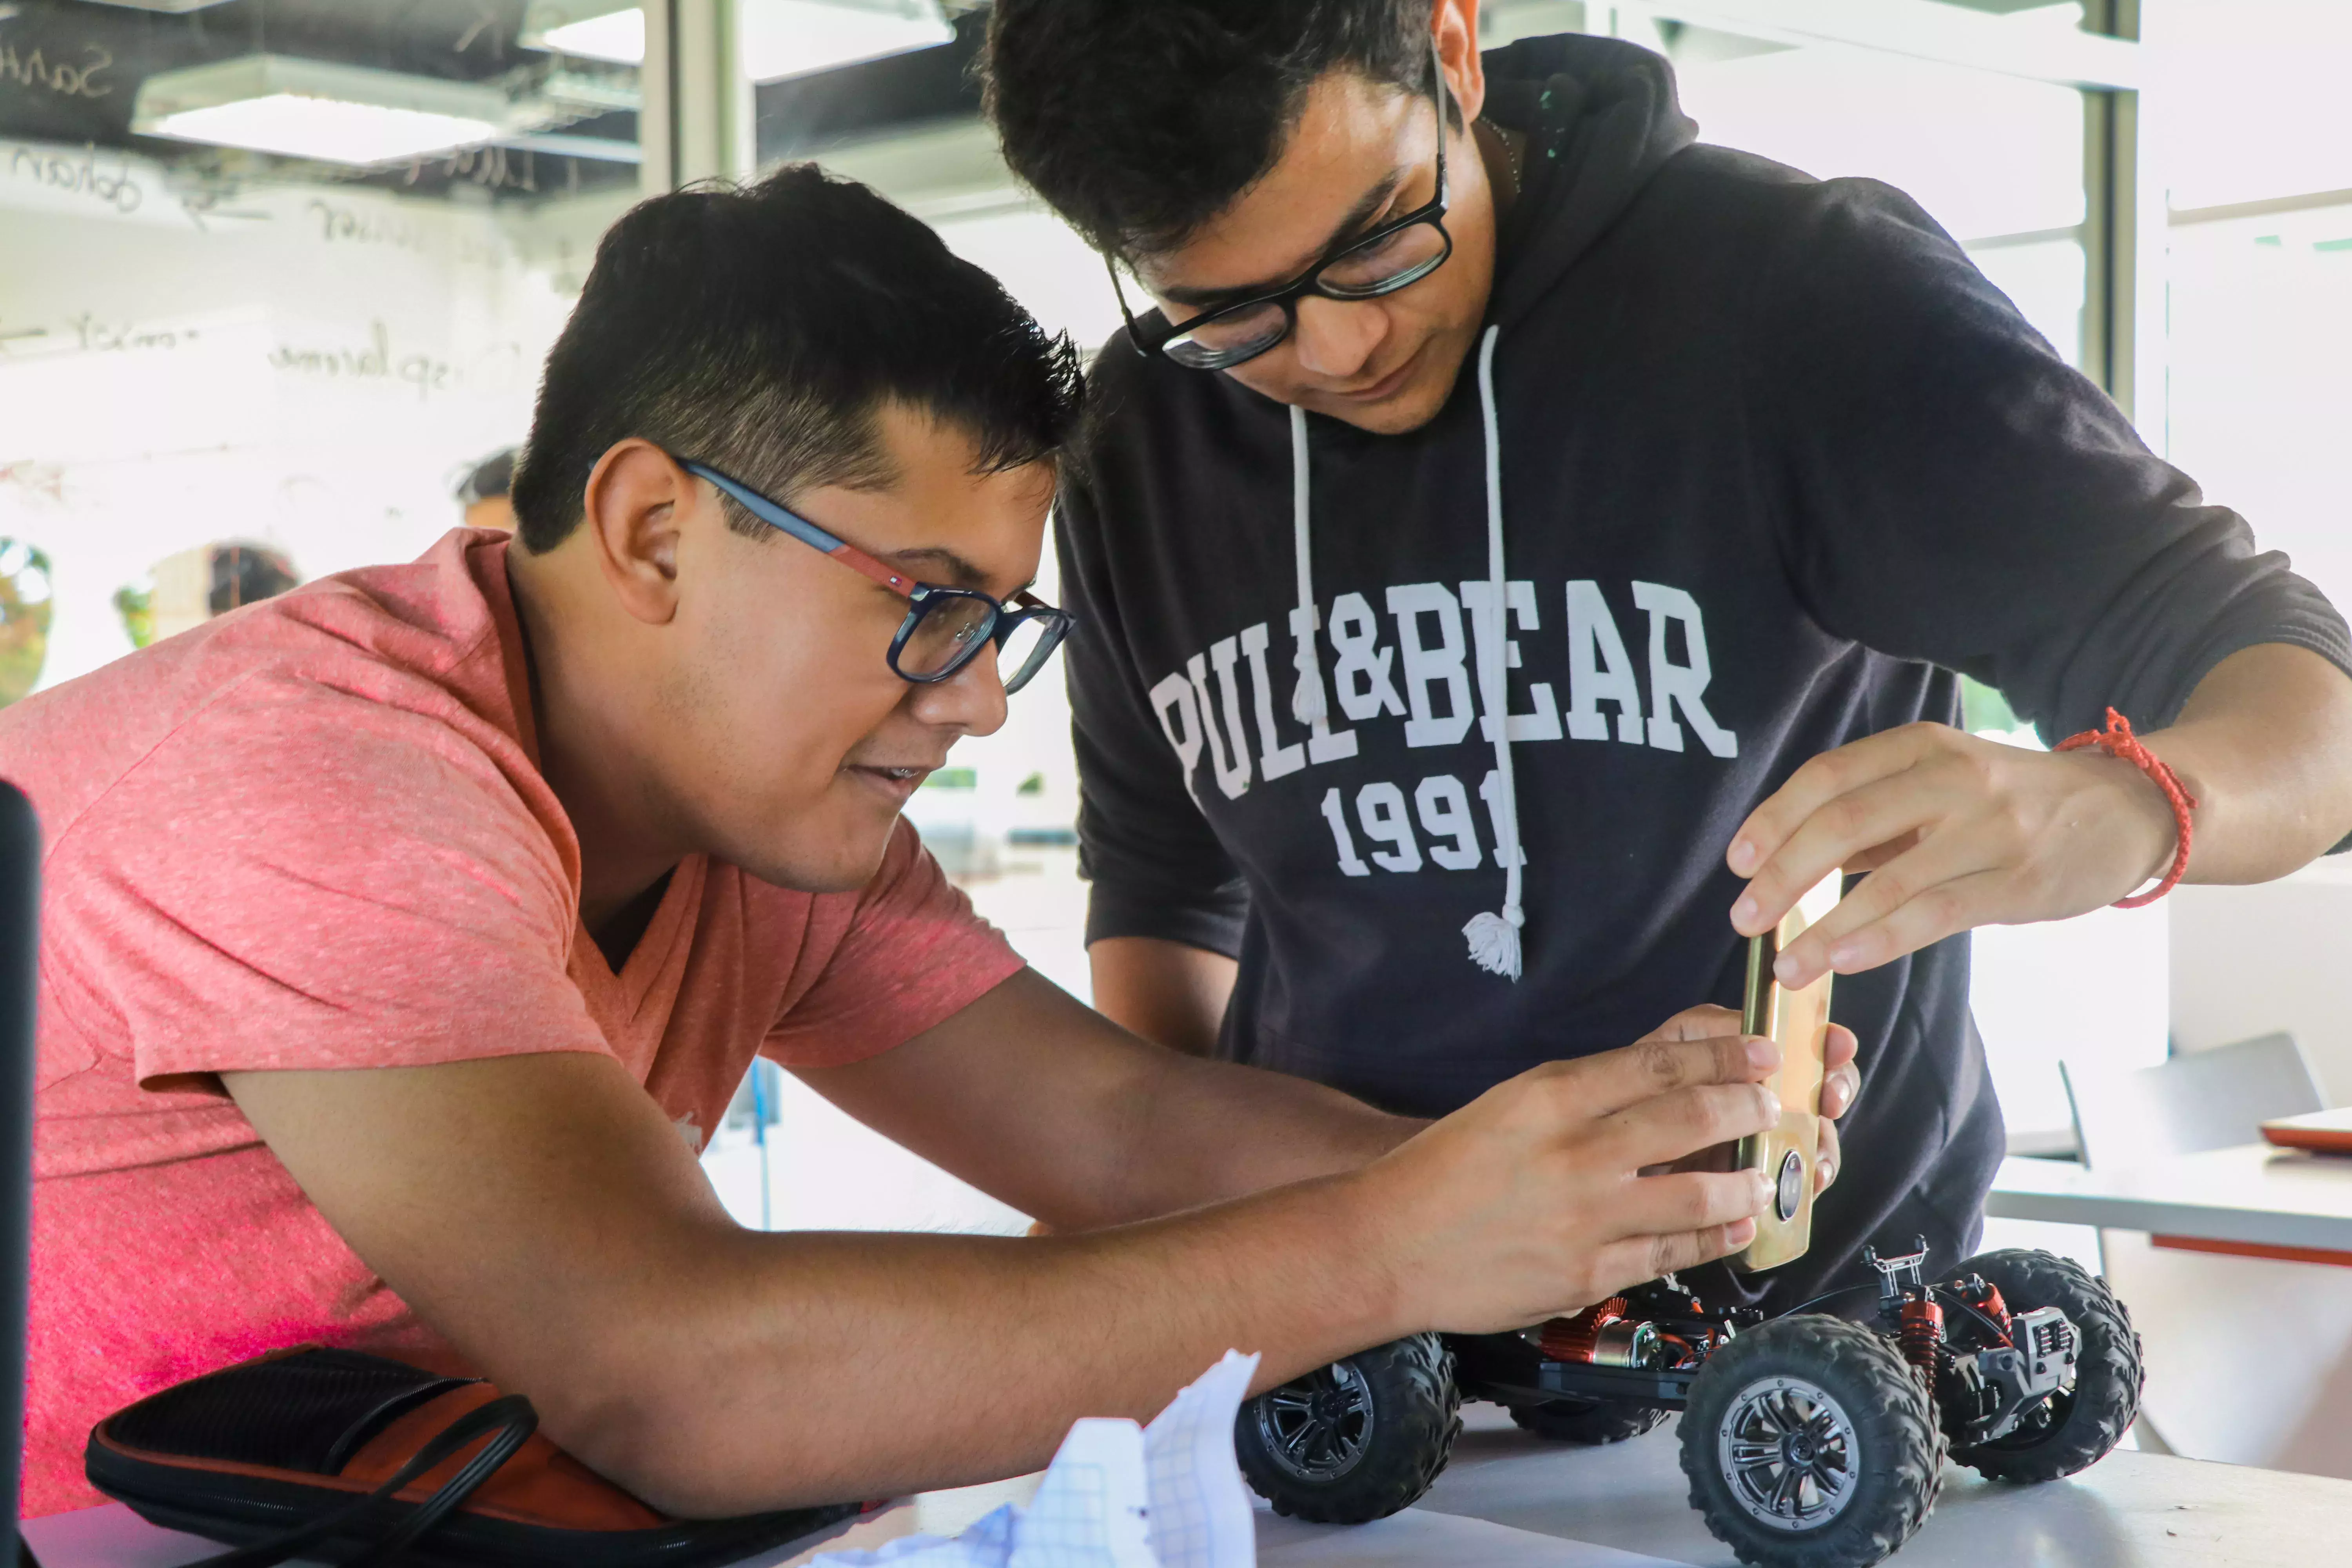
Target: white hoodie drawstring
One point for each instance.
(1494, 938)
(1307, 696)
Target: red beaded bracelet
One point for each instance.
(2118, 741)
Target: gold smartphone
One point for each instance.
(1797, 1021)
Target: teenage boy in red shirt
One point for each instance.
(406, 935)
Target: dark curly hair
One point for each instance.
(760, 331)
(1140, 119)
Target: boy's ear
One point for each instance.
(1455, 25)
(630, 510)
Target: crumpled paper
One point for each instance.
(1118, 1495)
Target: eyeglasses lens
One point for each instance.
(1025, 649)
(1228, 339)
(1404, 257)
(1401, 258)
(943, 638)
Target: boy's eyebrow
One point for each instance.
(1359, 218)
(959, 572)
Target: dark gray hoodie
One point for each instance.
(1767, 460)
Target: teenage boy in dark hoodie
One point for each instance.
(1759, 464)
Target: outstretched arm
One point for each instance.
(540, 1213)
(1045, 1104)
(1957, 832)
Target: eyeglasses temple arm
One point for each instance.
(1134, 327)
(1444, 114)
(804, 531)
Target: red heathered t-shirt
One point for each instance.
(312, 834)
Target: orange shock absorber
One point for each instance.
(1575, 1339)
(1923, 1334)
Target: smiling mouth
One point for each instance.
(1383, 387)
(898, 780)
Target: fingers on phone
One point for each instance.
(1705, 1021)
(1637, 1258)
(1613, 1081)
(1694, 1201)
(1837, 1093)
(1670, 1126)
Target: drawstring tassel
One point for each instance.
(1495, 940)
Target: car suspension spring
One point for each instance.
(1922, 1337)
(1985, 1297)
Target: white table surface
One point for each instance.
(2253, 1193)
(1508, 1501)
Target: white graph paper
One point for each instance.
(1117, 1496)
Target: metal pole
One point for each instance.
(695, 122)
(713, 102)
(2124, 241)
(657, 100)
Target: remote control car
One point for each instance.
(1813, 1440)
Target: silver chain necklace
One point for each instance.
(1516, 154)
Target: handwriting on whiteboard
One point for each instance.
(100, 336)
(35, 71)
(493, 168)
(344, 223)
(60, 76)
(376, 360)
(82, 178)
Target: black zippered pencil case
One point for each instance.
(358, 1459)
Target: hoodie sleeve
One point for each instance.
(1158, 869)
(1947, 488)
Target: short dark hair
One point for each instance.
(1141, 119)
(761, 329)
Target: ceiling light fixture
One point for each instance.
(318, 109)
(616, 36)
(170, 7)
(779, 37)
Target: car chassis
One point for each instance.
(1816, 1438)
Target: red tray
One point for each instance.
(2321, 1131)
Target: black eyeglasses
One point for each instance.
(1393, 257)
(945, 628)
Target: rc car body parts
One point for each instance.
(1812, 1440)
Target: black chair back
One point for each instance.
(20, 911)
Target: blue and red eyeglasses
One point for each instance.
(945, 628)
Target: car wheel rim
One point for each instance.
(1317, 1429)
(1790, 1453)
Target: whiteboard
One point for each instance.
(306, 366)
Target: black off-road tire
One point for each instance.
(1590, 1421)
(1377, 1429)
(2091, 1419)
(1877, 1439)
